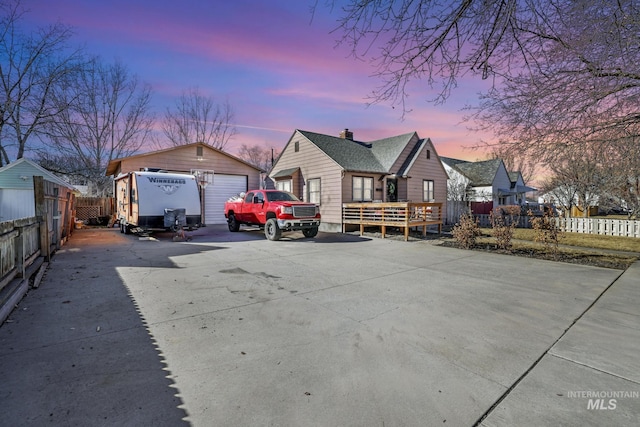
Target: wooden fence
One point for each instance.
(403, 215)
(94, 209)
(26, 244)
(20, 246)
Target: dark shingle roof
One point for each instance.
(388, 150)
(479, 173)
(285, 173)
(452, 162)
(350, 155)
(513, 176)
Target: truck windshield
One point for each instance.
(276, 196)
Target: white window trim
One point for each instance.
(361, 197)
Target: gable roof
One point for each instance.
(350, 155)
(513, 176)
(114, 164)
(480, 174)
(26, 168)
(376, 156)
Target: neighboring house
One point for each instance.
(567, 201)
(331, 170)
(231, 175)
(17, 198)
(486, 184)
(518, 188)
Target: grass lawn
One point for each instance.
(595, 241)
(578, 248)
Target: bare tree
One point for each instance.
(32, 65)
(197, 118)
(579, 179)
(458, 188)
(257, 155)
(623, 168)
(106, 117)
(514, 160)
(583, 88)
(563, 72)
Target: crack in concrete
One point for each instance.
(586, 365)
(546, 352)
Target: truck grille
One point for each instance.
(304, 211)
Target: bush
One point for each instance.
(546, 230)
(466, 231)
(504, 221)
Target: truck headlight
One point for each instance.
(287, 210)
(317, 210)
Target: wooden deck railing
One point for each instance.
(403, 215)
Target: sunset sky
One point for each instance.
(276, 63)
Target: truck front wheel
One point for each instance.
(233, 224)
(271, 229)
(310, 232)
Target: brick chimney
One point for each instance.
(346, 134)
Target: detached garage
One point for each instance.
(231, 175)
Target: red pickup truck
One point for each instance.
(275, 210)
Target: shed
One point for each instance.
(16, 188)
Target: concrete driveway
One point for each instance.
(230, 329)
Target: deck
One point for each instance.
(404, 215)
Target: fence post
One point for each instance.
(19, 250)
(41, 215)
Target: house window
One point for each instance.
(428, 154)
(427, 190)
(199, 152)
(502, 200)
(296, 146)
(284, 185)
(313, 190)
(362, 189)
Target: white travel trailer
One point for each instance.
(156, 201)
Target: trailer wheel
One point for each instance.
(233, 224)
(127, 229)
(310, 232)
(271, 229)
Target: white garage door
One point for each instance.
(223, 187)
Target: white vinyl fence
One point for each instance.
(607, 227)
(602, 226)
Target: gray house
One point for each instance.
(486, 184)
(332, 170)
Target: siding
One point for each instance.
(10, 178)
(432, 169)
(347, 187)
(405, 154)
(16, 204)
(314, 163)
(501, 180)
(183, 159)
